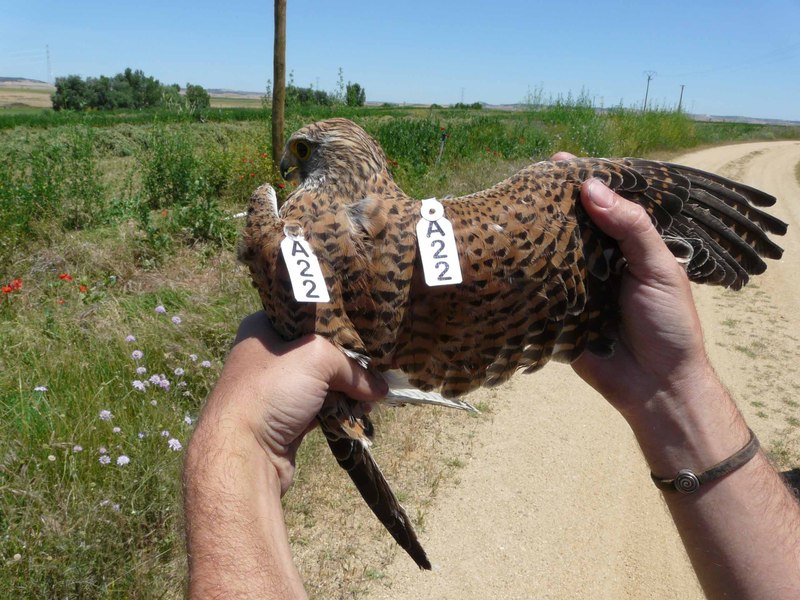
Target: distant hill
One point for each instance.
(24, 82)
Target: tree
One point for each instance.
(71, 93)
(197, 97)
(279, 77)
(356, 96)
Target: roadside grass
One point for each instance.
(105, 218)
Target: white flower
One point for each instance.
(115, 507)
(193, 357)
(138, 385)
(182, 384)
(153, 402)
(176, 319)
(40, 388)
(174, 445)
(17, 557)
(105, 502)
(123, 460)
(102, 450)
(206, 364)
(188, 420)
(105, 459)
(137, 354)
(178, 371)
(77, 448)
(116, 430)
(141, 370)
(130, 338)
(51, 458)
(142, 435)
(165, 433)
(105, 415)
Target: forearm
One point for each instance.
(741, 532)
(235, 532)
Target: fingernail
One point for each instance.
(600, 194)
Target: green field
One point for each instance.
(104, 218)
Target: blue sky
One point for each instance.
(735, 58)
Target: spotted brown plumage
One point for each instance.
(539, 279)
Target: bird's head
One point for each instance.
(336, 153)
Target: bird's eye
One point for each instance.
(302, 150)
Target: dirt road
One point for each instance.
(555, 500)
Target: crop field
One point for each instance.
(121, 295)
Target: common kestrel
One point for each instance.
(538, 280)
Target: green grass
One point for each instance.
(133, 207)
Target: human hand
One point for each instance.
(660, 349)
(273, 390)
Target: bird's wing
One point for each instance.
(540, 280)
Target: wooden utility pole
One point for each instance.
(279, 81)
(680, 100)
(649, 75)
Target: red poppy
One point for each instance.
(282, 185)
(83, 289)
(65, 277)
(263, 155)
(252, 174)
(164, 213)
(16, 284)
(60, 301)
(7, 289)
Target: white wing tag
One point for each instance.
(308, 283)
(437, 245)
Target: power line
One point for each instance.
(649, 75)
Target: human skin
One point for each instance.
(741, 532)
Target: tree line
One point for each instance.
(129, 89)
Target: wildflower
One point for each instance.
(252, 174)
(165, 433)
(137, 354)
(105, 502)
(17, 557)
(138, 385)
(142, 435)
(174, 445)
(176, 319)
(77, 448)
(161, 310)
(155, 379)
(116, 430)
(206, 364)
(141, 370)
(51, 458)
(102, 450)
(7, 289)
(83, 289)
(164, 213)
(123, 460)
(282, 185)
(188, 420)
(65, 277)
(40, 388)
(164, 383)
(105, 415)
(154, 402)
(193, 357)
(60, 301)
(178, 371)
(130, 338)
(115, 507)
(104, 460)
(182, 384)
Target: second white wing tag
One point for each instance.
(437, 245)
(305, 274)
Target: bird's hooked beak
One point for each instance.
(288, 168)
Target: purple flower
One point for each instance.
(138, 385)
(123, 460)
(142, 435)
(164, 383)
(155, 379)
(193, 357)
(178, 371)
(206, 364)
(105, 415)
(130, 338)
(116, 430)
(141, 370)
(40, 388)
(176, 319)
(188, 420)
(165, 433)
(105, 459)
(174, 445)
(115, 507)
(77, 448)
(102, 450)
(137, 354)
(161, 310)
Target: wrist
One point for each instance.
(692, 424)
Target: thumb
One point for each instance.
(629, 224)
(350, 378)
